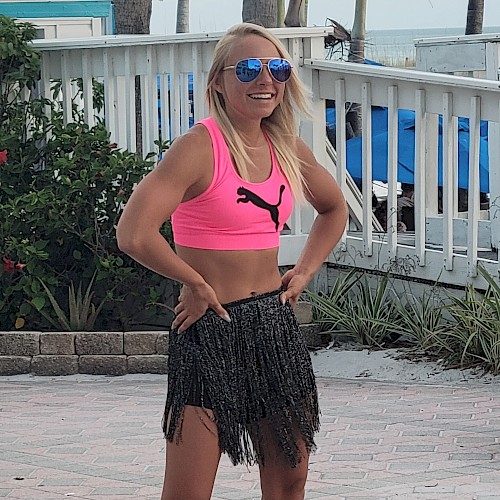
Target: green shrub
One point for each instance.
(62, 189)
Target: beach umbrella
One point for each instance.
(406, 150)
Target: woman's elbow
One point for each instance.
(126, 240)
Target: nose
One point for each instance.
(265, 75)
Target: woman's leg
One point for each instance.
(279, 481)
(191, 464)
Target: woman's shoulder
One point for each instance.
(189, 156)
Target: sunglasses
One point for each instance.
(247, 70)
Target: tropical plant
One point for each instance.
(473, 333)
(62, 189)
(422, 319)
(356, 308)
(81, 313)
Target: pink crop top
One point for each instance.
(234, 214)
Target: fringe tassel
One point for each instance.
(257, 374)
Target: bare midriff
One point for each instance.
(235, 274)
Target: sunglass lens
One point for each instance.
(248, 70)
(281, 69)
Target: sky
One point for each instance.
(218, 15)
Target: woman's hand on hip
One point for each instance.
(294, 283)
(194, 301)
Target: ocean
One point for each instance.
(396, 47)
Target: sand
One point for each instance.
(392, 365)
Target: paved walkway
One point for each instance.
(96, 438)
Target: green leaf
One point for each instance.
(38, 302)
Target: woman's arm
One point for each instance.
(327, 199)
(184, 172)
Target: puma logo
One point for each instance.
(248, 196)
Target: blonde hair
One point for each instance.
(280, 126)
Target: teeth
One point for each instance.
(261, 96)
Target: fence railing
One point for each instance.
(169, 75)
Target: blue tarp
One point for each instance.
(406, 149)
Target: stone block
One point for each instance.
(99, 343)
(19, 343)
(162, 343)
(314, 337)
(54, 365)
(304, 313)
(14, 365)
(135, 343)
(57, 343)
(103, 365)
(147, 364)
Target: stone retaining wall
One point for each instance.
(103, 353)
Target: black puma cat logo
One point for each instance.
(259, 202)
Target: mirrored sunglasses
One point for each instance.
(247, 70)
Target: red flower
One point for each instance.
(3, 157)
(8, 265)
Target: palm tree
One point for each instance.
(475, 13)
(357, 55)
(263, 12)
(182, 16)
(297, 13)
(132, 17)
(358, 33)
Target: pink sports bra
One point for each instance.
(234, 214)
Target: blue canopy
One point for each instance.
(406, 149)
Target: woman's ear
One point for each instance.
(217, 85)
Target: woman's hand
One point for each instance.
(193, 304)
(294, 283)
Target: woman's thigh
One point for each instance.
(192, 461)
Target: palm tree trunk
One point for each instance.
(182, 16)
(133, 18)
(263, 12)
(475, 13)
(358, 33)
(292, 17)
(281, 14)
(357, 55)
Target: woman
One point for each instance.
(240, 377)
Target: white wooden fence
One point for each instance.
(163, 65)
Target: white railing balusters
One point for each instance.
(449, 179)
(419, 175)
(66, 88)
(473, 195)
(340, 139)
(366, 106)
(164, 66)
(198, 82)
(392, 169)
(109, 95)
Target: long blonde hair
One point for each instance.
(280, 126)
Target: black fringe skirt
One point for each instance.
(254, 373)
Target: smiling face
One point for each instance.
(259, 98)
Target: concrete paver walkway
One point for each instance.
(93, 438)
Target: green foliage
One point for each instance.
(62, 190)
(82, 313)
(473, 332)
(422, 320)
(462, 330)
(356, 308)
